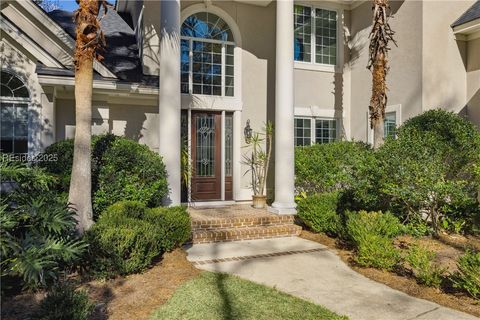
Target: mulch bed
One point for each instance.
(448, 248)
(131, 297)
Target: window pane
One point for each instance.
(228, 145)
(14, 127)
(302, 132)
(325, 130)
(326, 36)
(390, 124)
(205, 145)
(185, 64)
(302, 33)
(20, 146)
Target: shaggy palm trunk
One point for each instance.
(89, 39)
(380, 35)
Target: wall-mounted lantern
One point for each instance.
(247, 132)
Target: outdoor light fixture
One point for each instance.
(247, 132)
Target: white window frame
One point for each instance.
(396, 108)
(224, 61)
(313, 127)
(312, 65)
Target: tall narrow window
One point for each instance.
(315, 35)
(303, 132)
(207, 56)
(14, 100)
(390, 124)
(228, 145)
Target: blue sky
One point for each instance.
(68, 5)
(71, 5)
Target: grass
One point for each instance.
(220, 296)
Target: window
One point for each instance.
(325, 131)
(390, 124)
(14, 99)
(315, 35)
(310, 130)
(303, 132)
(207, 56)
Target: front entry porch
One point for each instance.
(239, 222)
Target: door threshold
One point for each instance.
(218, 203)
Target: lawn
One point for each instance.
(221, 296)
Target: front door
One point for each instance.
(206, 156)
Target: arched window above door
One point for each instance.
(207, 55)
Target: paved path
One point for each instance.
(311, 271)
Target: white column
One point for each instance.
(169, 96)
(284, 202)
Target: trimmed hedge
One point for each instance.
(372, 235)
(122, 169)
(342, 166)
(319, 212)
(128, 237)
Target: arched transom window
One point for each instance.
(14, 100)
(207, 55)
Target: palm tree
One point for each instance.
(89, 41)
(380, 36)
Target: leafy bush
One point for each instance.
(417, 228)
(122, 169)
(173, 224)
(421, 260)
(130, 171)
(371, 233)
(339, 166)
(64, 303)
(432, 168)
(63, 152)
(128, 237)
(38, 239)
(319, 212)
(468, 275)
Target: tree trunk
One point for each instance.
(380, 35)
(89, 39)
(81, 181)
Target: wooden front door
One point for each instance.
(206, 156)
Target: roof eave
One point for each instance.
(467, 31)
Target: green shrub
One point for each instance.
(468, 275)
(173, 224)
(319, 212)
(343, 166)
(64, 303)
(122, 169)
(372, 235)
(417, 228)
(432, 167)
(63, 153)
(128, 237)
(421, 260)
(130, 171)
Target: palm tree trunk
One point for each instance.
(80, 191)
(89, 39)
(380, 35)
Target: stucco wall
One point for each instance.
(444, 58)
(136, 122)
(404, 80)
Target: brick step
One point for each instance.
(245, 233)
(241, 222)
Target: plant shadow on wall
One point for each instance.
(258, 160)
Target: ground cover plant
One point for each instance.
(468, 275)
(221, 296)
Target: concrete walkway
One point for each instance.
(311, 271)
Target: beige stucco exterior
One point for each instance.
(432, 67)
